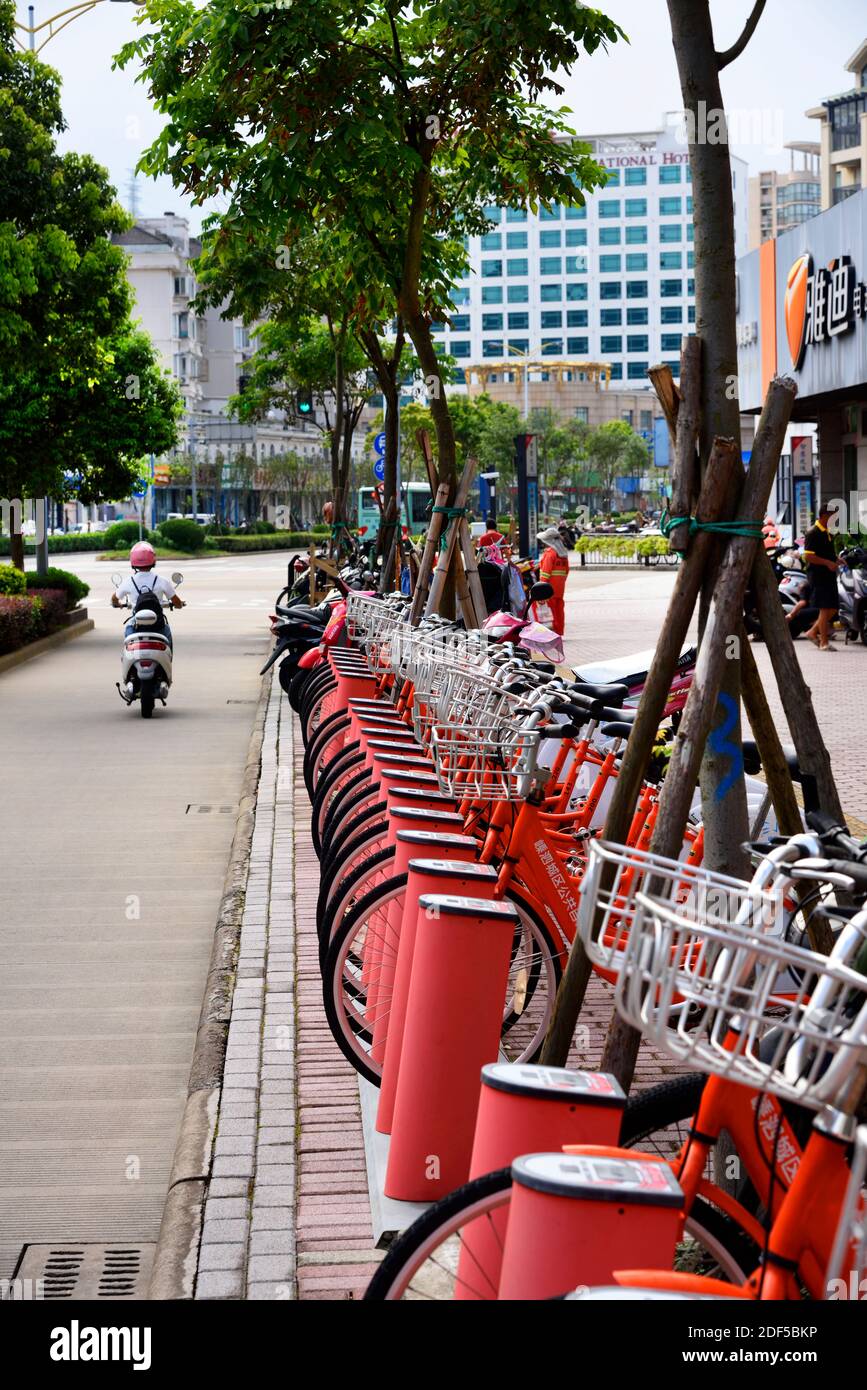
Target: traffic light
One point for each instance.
(304, 402)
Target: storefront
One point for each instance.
(802, 312)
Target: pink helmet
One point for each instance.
(142, 556)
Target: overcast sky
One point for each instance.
(795, 59)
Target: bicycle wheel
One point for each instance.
(534, 973)
(323, 748)
(423, 1261)
(371, 871)
(335, 871)
(346, 771)
(310, 712)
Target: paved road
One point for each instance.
(611, 612)
(112, 882)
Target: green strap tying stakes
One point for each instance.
(451, 514)
(752, 530)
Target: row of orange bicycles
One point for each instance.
(454, 777)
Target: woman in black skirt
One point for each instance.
(822, 566)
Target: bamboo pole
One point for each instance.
(684, 469)
(448, 557)
(723, 621)
(797, 701)
(668, 396)
(570, 994)
(434, 530)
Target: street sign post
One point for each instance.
(527, 472)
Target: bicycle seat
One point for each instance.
(618, 728)
(613, 695)
(753, 762)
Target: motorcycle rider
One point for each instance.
(144, 579)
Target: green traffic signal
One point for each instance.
(304, 402)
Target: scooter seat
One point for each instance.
(629, 670)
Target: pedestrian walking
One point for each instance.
(554, 570)
(822, 566)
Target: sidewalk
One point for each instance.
(287, 1213)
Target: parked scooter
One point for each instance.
(852, 593)
(146, 659)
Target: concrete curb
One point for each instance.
(176, 1258)
(45, 644)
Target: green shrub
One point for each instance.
(74, 588)
(281, 540)
(52, 609)
(12, 581)
(20, 620)
(183, 533)
(320, 529)
(121, 534)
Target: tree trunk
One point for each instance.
(725, 819)
(16, 542)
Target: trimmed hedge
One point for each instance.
(281, 540)
(94, 540)
(24, 619)
(639, 547)
(73, 588)
(183, 534)
(122, 534)
(53, 607)
(12, 581)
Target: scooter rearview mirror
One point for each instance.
(177, 577)
(116, 579)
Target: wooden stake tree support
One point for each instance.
(732, 552)
(457, 553)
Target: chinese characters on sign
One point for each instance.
(834, 301)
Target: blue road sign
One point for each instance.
(379, 444)
(379, 470)
(140, 489)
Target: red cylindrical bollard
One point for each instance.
(384, 937)
(575, 1218)
(528, 1109)
(454, 1016)
(484, 881)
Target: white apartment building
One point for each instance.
(610, 282)
(843, 135)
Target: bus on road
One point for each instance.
(414, 513)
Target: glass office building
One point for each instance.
(612, 281)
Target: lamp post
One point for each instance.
(519, 353)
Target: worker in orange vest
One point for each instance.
(554, 570)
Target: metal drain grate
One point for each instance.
(242, 702)
(197, 809)
(76, 1272)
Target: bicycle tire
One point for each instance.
(357, 811)
(322, 749)
(350, 1032)
(350, 887)
(317, 688)
(334, 867)
(341, 773)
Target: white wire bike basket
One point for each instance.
(760, 1011)
(486, 763)
(615, 874)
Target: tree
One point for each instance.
(615, 451)
(699, 66)
(81, 394)
(397, 127)
(559, 443)
(325, 359)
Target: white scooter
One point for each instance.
(146, 660)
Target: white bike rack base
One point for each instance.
(388, 1217)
